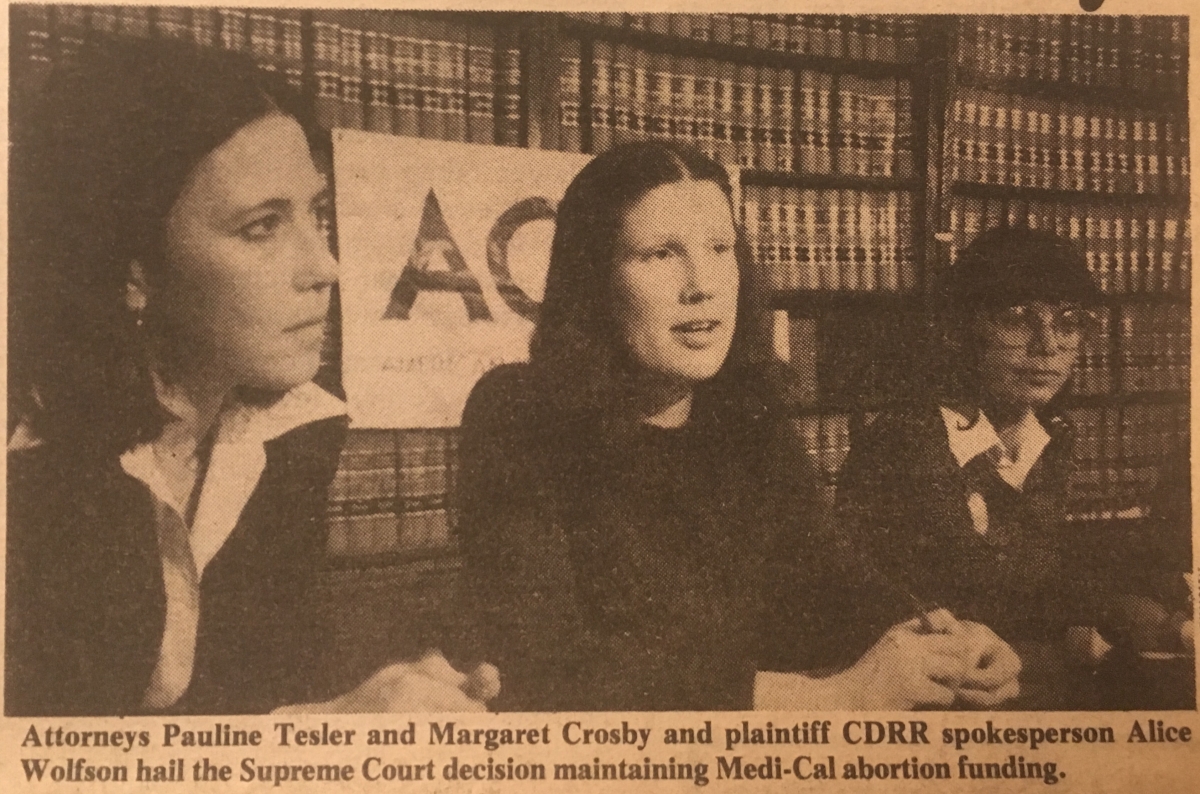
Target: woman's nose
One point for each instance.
(316, 267)
(1043, 338)
(701, 279)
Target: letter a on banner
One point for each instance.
(434, 239)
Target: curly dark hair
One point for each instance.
(99, 156)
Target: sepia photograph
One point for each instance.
(371, 361)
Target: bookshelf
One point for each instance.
(1079, 124)
(866, 159)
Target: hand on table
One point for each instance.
(991, 667)
(910, 667)
(427, 685)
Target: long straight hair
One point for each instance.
(580, 362)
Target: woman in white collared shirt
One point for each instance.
(963, 501)
(170, 281)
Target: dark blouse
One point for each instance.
(86, 605)
(659, 575)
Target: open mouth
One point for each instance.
(696, 326)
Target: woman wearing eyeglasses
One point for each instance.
(963, 500)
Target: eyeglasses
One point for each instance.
(1061, 327)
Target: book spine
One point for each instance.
(1120, 263)
(568, 95)
(351, 108)
(769, 237)
(682, 83)
(823, 259)
(377, 115)
(784, 134)
(326, 42)
(842, 232)
(622, 93)
(263, 39)
(639, 116)
(906, 255)
(742, 127)
(662, 67)
(752, 224)
(507, 87)
(454, 94)
(70, 29)
(135, 22)
(202, 24)
(781, 221)
(603, 116)
(705, 106)
(402, 73)
(481, 82)
(291, 55)
(723, 121)
(765, 119)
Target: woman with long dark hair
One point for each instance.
(169, 284)
(640, 528)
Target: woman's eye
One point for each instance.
(261, 229)
(661, 254)
(722, 248)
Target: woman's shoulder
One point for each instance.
(504, 399)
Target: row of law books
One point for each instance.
(1118, 453)
(830, 239)
(391, 492)
(51, 34)
(1140, 52)
(1152, 348)
(1007, 139)
(1155, 347)
(756, 117)
(409, 75)
(379, 71)
(859, 37)
(1129, 248)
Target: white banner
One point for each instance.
(443, 248)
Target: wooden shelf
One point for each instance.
(1119, 96)
(737, 53)
(809, 302)
(811, 181)
(1115, 400)
(1116, 299)
(982, 190)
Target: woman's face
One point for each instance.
(1029, 351)
(247, 286)
(675, 281)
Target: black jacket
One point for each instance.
(903, 498)
(85, 600)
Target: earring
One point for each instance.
(135, 299)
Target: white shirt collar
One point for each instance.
(1014, 454)
(236, 462)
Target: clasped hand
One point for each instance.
(430, 684)
(957, 661)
